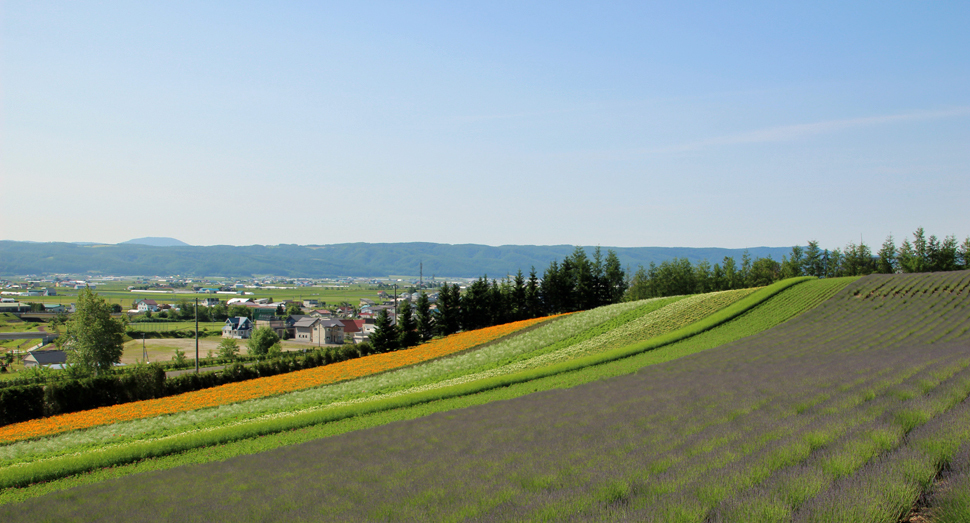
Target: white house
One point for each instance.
(239, 327)
(147, 306)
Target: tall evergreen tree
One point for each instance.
(718, 280)
(520, 309)
(920, 250)
(601, 295)
(814, 264)
(384, 338)
(448, 318)
(475, 305)
(584, 287)
(906, 258)
(407, 328)
(551, 289)
(887, 257)
(794, 266)
(496, 303)
(857, 260)
(745, 269)
(702, 277)
(639, 288)
(532, 299)
(943, 255)
(425, 321)
(731, 276)
(614, 277)
(833, 269)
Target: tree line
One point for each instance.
(579, 282)
(680, 276)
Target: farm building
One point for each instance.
(239, 301)
(330, 331)
(14, 307)
(321, 313)
(320, 331)
(44, 358)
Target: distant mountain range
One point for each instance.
(156, 241)
(319, 261)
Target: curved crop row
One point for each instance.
(42, 470)
(469, 366)
(312, 398)
(722, 421)
(673, 316)
(261, 387)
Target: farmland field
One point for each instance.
(386, 385)
(168, 326)
(842, 413)
(115, 293)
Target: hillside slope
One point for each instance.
(20, 458)
(777, 426)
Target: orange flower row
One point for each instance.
(260, 387)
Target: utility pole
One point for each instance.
(197, 335)
(420, 274)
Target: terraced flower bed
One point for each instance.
(259, 388)
(862, 396)
(206, 426)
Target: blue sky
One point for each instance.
(664, 124)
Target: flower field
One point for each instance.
(844, 413)
(262, 387)
(555, 336)
(339, 393)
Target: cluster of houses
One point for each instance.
(313, 330)
(318, 326)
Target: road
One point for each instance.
(26, 336)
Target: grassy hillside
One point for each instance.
(844, 413)
(88, 449)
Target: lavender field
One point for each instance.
(845, 413)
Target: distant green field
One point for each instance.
(169, 326)
(118, 294)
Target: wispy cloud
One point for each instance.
(792, 132)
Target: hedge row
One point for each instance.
(26, 402)
(141, 382)
(282, 365)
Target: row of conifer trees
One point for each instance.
(579, 282)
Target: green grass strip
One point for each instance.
(51, 469)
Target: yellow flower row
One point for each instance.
(260, 387)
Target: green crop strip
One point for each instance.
(354, 391)
(394, 383)
(556, 376)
